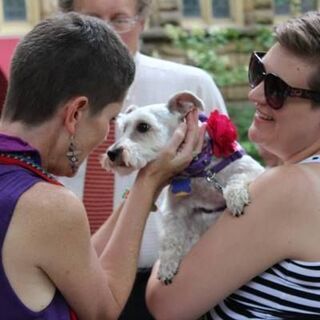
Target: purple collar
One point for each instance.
(181, 184)
(200, 162)
(198, 166)
(224, 162)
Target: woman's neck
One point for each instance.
(301, 155)
(44, 138)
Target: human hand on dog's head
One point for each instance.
(185, 143)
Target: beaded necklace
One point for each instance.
(28, 163)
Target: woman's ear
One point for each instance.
(75, 110)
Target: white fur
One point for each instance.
(183, 221)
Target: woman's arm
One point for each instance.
(101, 237)
(234, 250)
(98, 287)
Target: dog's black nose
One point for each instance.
(113, 154)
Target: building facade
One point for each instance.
(18, 16)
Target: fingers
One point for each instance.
(199, 145)
(177, 154)
(191, 141)
(178, 137)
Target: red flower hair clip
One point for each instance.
(223, 134)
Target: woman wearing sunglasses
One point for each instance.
(266, 264)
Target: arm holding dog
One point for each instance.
(235, 250)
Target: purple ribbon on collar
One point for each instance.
(225, 162)
(181, 184)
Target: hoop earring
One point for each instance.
(72, 155)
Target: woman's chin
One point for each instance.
(255, 135)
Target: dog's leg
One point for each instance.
(236, 193)
(172, 245)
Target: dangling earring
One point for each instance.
(72, 155)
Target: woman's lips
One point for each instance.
(263, 116)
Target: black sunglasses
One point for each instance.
(275, 89)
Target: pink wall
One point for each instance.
(7, 47)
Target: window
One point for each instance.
(14, 10)
(282, 7)
(207, 12)
(288, 7)
(220, 9)
(18, 16)
(309, 5)
(191, 8)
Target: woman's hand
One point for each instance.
(185, 143)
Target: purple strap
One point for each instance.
(226, 161)
(200, 162)
(181, 184)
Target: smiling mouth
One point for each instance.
(263, 116)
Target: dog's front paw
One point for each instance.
(237, 197)
(167, 270)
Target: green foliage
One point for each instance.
(210, 49)
(242, 115)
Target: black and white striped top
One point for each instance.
(288, 290)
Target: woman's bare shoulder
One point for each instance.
(285, 182)
(46, 203)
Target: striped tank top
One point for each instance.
(287, 290)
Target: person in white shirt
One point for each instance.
(155, 81)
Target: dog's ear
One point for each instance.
(131, 108)
(184, 102)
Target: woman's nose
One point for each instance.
(257, 94)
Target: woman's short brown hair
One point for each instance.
(301, 37)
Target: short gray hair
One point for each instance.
(143, 6)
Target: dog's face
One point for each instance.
(145, 131)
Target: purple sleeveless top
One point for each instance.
(14, 181)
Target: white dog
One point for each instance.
(208, 186)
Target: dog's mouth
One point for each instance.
(121, 168)
(117, 163)
(117, 157)
(121, 164)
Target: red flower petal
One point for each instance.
(223, 133)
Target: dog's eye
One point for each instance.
(143, 127)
